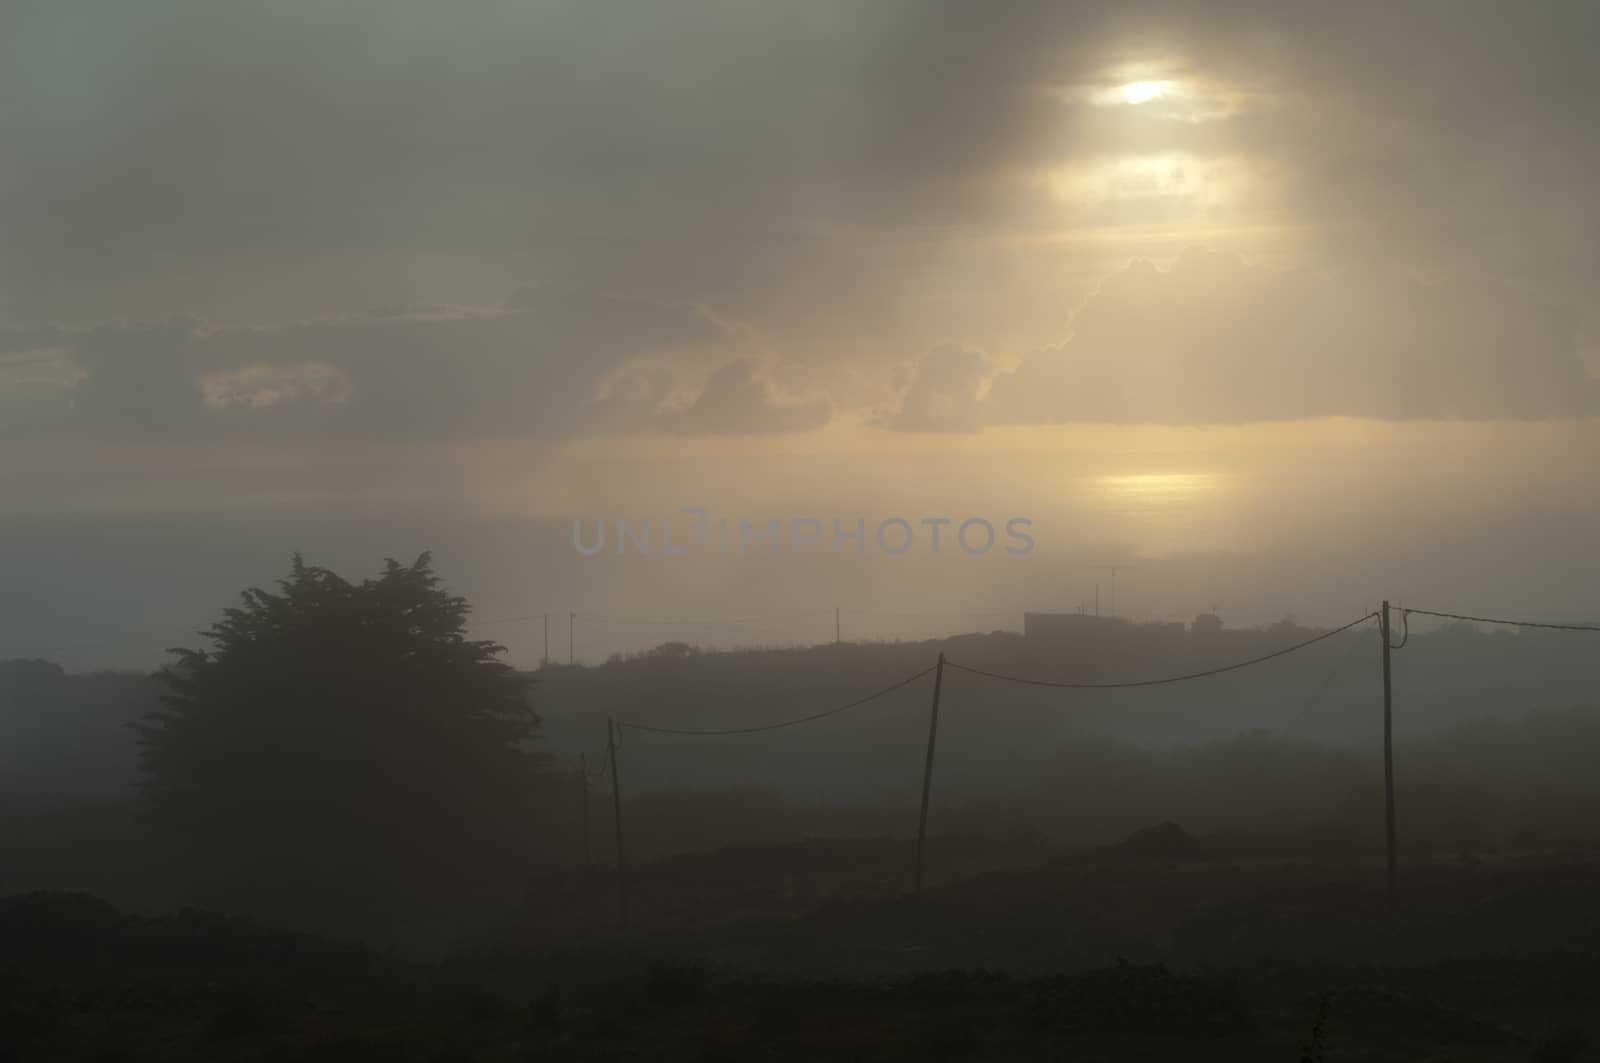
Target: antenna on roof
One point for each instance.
(1113, 570)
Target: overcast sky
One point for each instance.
(1279, 306)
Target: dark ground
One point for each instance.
(1162, 947)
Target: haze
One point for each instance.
(1278, 309)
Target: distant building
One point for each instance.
(1206, 624)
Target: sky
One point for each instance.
(1278, 309)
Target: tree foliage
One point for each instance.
(341, 734)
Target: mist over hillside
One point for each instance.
(799, 531)
(1496, 735)
(65, 734)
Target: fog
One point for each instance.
(1292, 309)
(1316, 521)
(454, 462)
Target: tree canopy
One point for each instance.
(343, 736)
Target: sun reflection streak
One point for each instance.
(1158, 487)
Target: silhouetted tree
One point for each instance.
(342, 745)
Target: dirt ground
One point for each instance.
(1164, 945)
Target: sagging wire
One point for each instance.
(1166, 679)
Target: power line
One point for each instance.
(1405, 637)
(1326, 684)
(1167, 679)
(1512, 623)
(786, 723)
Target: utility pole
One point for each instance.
(572, 622)
(836, 638)
(927, 770)
(616, 815)
(1388, 748)
(546, 658)
(583, 776)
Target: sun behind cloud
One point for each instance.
(1137, 92)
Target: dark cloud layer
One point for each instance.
(407, 373)
(817, 169)
(551, 365)
(688, 142)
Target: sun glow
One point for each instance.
(1200, 182)
(1157, 488)
(1193, 98)
(1137, 92)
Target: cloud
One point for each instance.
(736, 400)
(941, 392)
(849, 178)
(265, 386)
(548, 365)
(1211, 339)
(35, 387)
